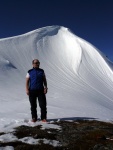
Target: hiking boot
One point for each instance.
(44, 120)
(33, 120)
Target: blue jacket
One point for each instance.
(36, 79)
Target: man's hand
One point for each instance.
(45, 90)
(27, 92)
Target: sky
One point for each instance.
(91, 20)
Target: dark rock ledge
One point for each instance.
(75, 135)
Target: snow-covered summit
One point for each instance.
(80, 77)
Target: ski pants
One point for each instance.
(33, 95)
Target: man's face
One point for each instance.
(36, 64)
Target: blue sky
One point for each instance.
(91, 20)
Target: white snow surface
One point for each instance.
(80, 77)
(7, 148)
(29, 140)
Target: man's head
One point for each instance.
(35, 63)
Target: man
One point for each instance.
(36, 86)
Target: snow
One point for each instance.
(7, 148)
(80, 77)
(30, 140)
(7, 138)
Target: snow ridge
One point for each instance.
(80, 77)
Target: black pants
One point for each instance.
(33, 95)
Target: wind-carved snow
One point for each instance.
(80, 77)
(5, 65)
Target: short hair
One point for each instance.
(34, 60)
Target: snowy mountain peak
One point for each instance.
(80, 77)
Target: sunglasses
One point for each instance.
(36, 63)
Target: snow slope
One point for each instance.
(80, 77)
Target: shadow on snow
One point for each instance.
(72, 118)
